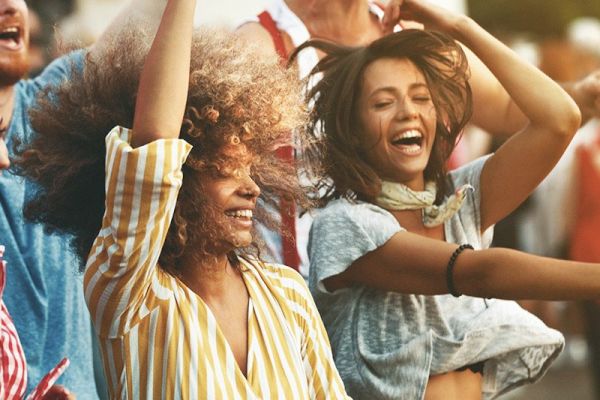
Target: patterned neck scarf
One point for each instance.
(396, 196)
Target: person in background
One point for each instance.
(44, 295)
(13, 365)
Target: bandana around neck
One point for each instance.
(396, 196)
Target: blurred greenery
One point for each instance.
(536, 17)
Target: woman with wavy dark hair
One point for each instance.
(400, 266)
(182, 306)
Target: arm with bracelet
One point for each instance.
(403, 244)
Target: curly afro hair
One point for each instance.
(236, 98)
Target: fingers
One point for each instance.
(410, 24)
(391, 15)
(59, 392)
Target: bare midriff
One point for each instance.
(457, 385)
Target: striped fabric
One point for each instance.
(13, 368)
(48, 380)
(158, 338)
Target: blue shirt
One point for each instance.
(44, 292)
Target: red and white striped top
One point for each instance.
(13, 368)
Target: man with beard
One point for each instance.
(45, 295)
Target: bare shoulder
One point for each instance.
(255, 34)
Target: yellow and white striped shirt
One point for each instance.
(159, 340)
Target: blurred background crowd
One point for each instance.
(559, 220)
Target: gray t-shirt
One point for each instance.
(387, 344)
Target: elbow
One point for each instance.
(569, 122)
(573, 120)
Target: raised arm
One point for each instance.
(494, 109)
(497, 113)
(146, 12)
(164, 80)
(523, 161)
(142, 183)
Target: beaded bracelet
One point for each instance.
(450, 269)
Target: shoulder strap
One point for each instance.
(287, 209)
(265, 19)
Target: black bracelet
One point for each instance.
(450, 269)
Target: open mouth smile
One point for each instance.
(10, 38)
(241, 217)
(408, 142)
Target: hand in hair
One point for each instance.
(552, 116)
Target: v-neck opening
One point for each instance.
(249, 329)
(250, 340)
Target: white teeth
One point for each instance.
(240, 213)
(414, 148)
(413, 133)
(10, 30)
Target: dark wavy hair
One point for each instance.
(336, 158)
(235, 98)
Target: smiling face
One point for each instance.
(398, 119)
(14, 41)
(232, 198)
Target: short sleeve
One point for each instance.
(141, 193)
(342, 233)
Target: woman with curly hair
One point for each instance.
(181, 306)
(392, 251)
